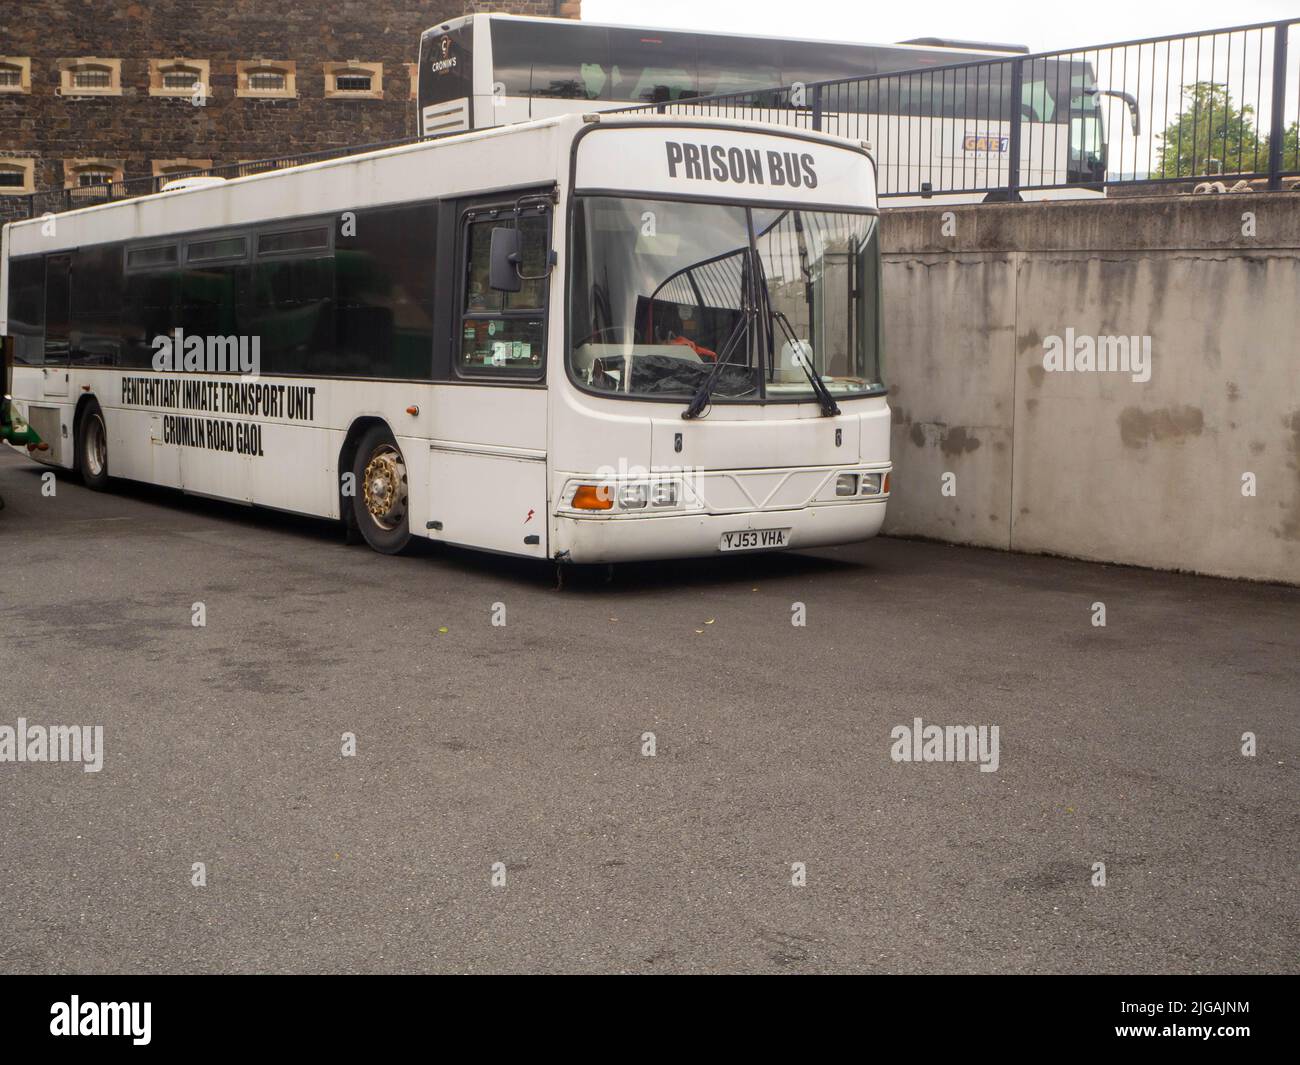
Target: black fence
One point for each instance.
(1223, 105)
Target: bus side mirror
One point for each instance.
(503, 260)
(1130, 101)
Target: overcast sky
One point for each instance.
(1041, 26)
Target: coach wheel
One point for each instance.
(380, 503)
(92, 449)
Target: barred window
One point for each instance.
(88, 76)
(352, 78)
(180, 79)
(266, 78)
(266, 81)
(92, 78)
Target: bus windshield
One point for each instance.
(662, 292)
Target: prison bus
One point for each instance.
(581, 338)
(483, 70)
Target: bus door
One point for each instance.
(58, 325)
(488, 452)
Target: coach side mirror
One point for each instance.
(1130, 101)
(503, 260)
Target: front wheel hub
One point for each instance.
(385, 487)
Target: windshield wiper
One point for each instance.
(701, 398)
(829, 407)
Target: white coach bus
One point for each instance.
(579, 338)
(948, 131)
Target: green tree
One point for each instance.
(1210, 127)
(1290, 148)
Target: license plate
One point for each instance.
(754, 539)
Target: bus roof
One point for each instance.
(916, 45)
(491, 133)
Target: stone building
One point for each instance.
(91, 93)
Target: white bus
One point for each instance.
(581, 339)
(948, 132)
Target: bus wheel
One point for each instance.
(380, 506)
(92, 448)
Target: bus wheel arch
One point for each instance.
(375, 504)
(90, 443)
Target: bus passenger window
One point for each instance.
(27, 309)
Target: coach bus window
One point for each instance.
(202, 251)
(651, 66)
(292, 308)
(159, 256)
(148, 310)
(567, 61)
(27, 310)
(809, 61)
(57, 295)
(293, 240)
(211, 298)
(736, 64)
(1037, 103)
(503, 333)
(96, 306)
(383, 282)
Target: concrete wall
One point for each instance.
(1092, 464)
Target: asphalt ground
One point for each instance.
(517, 752)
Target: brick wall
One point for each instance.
(136, 129)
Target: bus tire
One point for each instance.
(380, 504)
(92, 448)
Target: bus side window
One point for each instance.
(567, 62)
(27, 310)
(503, 334)
(652, 66)
(384, 264)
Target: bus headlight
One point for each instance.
(627, 498)
(871, 483)
(633, 496)
(663, 494)
(846, 484)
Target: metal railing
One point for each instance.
(1193, 107)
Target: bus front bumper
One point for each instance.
(694, 535)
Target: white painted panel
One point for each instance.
(54, 380)
(136, 450)
(741, 164)
(757, 441)
(488, 501)
(491, 415)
